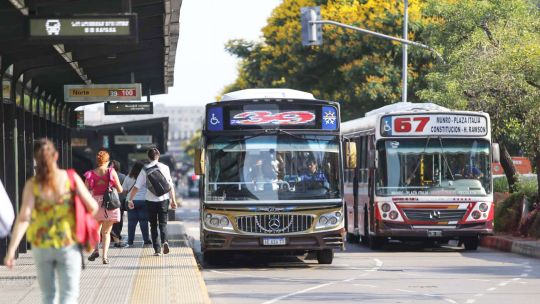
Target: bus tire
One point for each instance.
(471, 243)
(325, 256)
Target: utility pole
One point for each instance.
(311, 22)
(405, 37)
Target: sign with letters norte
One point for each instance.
(102, 92)
(434, 124)
(76, 27)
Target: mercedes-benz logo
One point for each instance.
(434, 214)
(274, 223)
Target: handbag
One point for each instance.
(86, 226)
(111, 199)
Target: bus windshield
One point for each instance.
(272, 167)
(434, 166)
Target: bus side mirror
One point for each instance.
(495, 151)
(199, 161)
(350, 155)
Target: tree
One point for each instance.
(362, 72)
(493, 54)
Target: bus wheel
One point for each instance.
(471, 243)
(325, 256)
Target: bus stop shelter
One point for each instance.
(34, 71)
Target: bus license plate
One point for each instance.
(274, 241)
(434, 233)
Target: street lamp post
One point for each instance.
(405, 37)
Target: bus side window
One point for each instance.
(364, 159)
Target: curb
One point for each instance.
(526, 248)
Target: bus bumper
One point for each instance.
(407, 231)
(214, 241)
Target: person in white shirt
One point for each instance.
(157, 206)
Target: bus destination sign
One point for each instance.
(249, 117)
(128, 108)
(76, 27)
(102, 92)
(434, 124)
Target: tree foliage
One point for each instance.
(362, 72)
(493, 52)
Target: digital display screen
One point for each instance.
(272, 116)
(434, 124)
(80, 27)
(58, 28)
(275, 117)
(128, 108)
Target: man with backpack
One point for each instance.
(156, 177)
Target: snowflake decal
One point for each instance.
(329, 117)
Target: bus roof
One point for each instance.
(266, 93)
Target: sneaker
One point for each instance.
(157, 253)
(93, 256)
(166, 248)
(121, 245)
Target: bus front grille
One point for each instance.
(274, 223)
(434, 215)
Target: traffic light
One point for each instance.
(311, 32)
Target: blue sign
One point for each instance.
(329, 118)
(214, 120)
(386, 126)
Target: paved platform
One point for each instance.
(524, 246)
(134, 275)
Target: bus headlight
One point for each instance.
(330, 219)
(217, 221)
(483, 207)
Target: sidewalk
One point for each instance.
(134, 275)
(524, 246)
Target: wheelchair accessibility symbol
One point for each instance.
(214, 120)
(387, 127)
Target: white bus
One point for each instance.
(423, 173)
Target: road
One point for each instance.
(396, 274)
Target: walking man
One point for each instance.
(160, 196)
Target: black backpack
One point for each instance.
(156, 182)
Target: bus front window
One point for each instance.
(273, 167)
(434, 166)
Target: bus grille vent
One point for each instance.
(434, 215)
(274, 223)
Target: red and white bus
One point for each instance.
(423, 173)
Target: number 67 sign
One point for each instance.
(433, 124)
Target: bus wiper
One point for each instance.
(279, 131)
(445, 159)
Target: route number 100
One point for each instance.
(406, 124)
